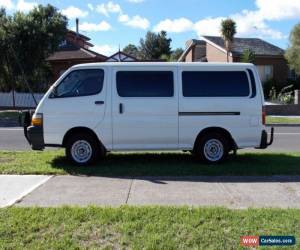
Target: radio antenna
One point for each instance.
(23, 74)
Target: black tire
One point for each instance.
(212, 148)
(85, 145)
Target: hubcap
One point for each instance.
(213, 150)
(81, 151)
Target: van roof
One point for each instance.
(161, 64)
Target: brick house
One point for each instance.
(75, 49)
(269, 58)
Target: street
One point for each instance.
(286, 139)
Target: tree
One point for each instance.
(164, 43)
(5, 68)
(293, 52)
(131, 50)
(248, 56)
(154, 46)
(173, 57)
(228, 30)
(26, 40)
(176, 54)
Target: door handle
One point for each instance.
(121, 109)
(99, 102)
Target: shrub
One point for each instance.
(273, 94)
(271, 86)
(286, 95)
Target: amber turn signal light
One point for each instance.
(37, 120)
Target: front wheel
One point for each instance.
(82, 149)
(212, 148)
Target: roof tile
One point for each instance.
(258, 46)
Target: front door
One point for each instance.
(145, 108)
(77, 101)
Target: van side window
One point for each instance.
(80, 83)
(253, 86)
(215, 84)
(145, 83)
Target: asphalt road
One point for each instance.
(286, 139)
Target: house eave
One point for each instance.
(186, 51)
(216, 46)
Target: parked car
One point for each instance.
(208, 109)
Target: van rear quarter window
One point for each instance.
(215, 84)
(145, 83)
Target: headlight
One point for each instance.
(37, 120)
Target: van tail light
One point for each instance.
(264, 115)
(37, 120)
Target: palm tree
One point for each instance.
(228, 30)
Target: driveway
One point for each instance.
(231, 192)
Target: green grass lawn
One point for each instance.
(282, 120)
(149, 164)
(9, 115)
(141, 227)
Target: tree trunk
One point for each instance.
(227, 50)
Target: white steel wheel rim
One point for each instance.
(213, 150)
(81, 151)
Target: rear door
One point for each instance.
(145, 108)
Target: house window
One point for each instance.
(292, 74)
(265, 72)
(62, 44)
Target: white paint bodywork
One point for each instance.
(153, 123)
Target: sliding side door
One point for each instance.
(145, 108)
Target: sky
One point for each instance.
(113, 24)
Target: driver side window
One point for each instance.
(80, 83)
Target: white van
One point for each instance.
(208, 109)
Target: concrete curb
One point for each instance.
(283, 125)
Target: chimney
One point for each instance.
(77, 26)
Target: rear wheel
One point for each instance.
(82, 149)
(212, 148)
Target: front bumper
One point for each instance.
(264, 139)
(35, 136)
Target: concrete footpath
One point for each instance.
(15, 187)
(232, 192)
